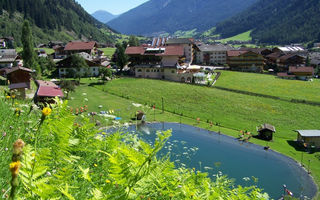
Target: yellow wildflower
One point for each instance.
(46, 111)
(95, 165)
(14, 167)
(33, 155)
(8, 97)
(108, 181)
(13, 96)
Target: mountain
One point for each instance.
(169, 16)
(103, 16)
(277, 21)
(51, 20)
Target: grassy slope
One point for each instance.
(270, 85)
(108, 51)
(232, 110)
(240, 37)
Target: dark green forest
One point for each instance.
(277, 22)
(59, 19)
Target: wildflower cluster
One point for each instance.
(80, 110)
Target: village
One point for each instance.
(182, 61)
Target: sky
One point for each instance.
(113, 6)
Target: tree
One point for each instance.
(47, 65)
(28, 54)
(134, 41)
(67, 86)
(120, 58)
(105, 72)
(79, 64)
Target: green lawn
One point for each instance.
(270, 85)
(234, 111)
(108, 51)
(241, 37)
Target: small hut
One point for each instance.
(47, 91)
(310, 138)
(19, 78)
(266, 131)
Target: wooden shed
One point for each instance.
(19, 79)
(266, 131)
(309, 137)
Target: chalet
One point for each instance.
(59, 52)
(245, 61)
(186, 43)
(262, 51)
(310, 138)
(290, 59)
(8, 58)
(212, 54)
(19, 79)
(159, 63)
(291, 50)
(78, 47)
(65, 70)
(46, 92)
(51, 44)
(301, 73)
(266, 131)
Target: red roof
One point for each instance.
(176, 50)
(80, 46)
(48, 89)
(135, 50)
(235, 53)
(301, 69)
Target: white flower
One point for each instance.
(48, 174)
(84, 94)
(85, 99)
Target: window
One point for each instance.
(139, 70)
(93, 69)
(148, 70)
(173, 71)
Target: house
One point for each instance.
(8, 58)
(51, 44)
(186, 43)
(211, 54)
(245, 61)
(266, 131)
(78, 47)
(290, 59)
(46, 92)
(310, 138)
(301, 73)
(59, 52)
(19, 79)
(65, 70)
(262, 51)
(160, 63)
(299, 50)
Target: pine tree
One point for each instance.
(28, 54)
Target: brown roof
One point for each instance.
(267, 127)
(275, 55)
(234, 53)
(176, 50)
(18, 68)
(80, 46)
(135, 50)
(284, 74)
(19, 85)
(301, 69)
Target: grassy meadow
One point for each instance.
(270, 85)
(108, 51)
(233, 111)
(240, 37)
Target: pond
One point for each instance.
(216, 153)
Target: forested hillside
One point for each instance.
(168, 16)
(51, 19)
(274, 21)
